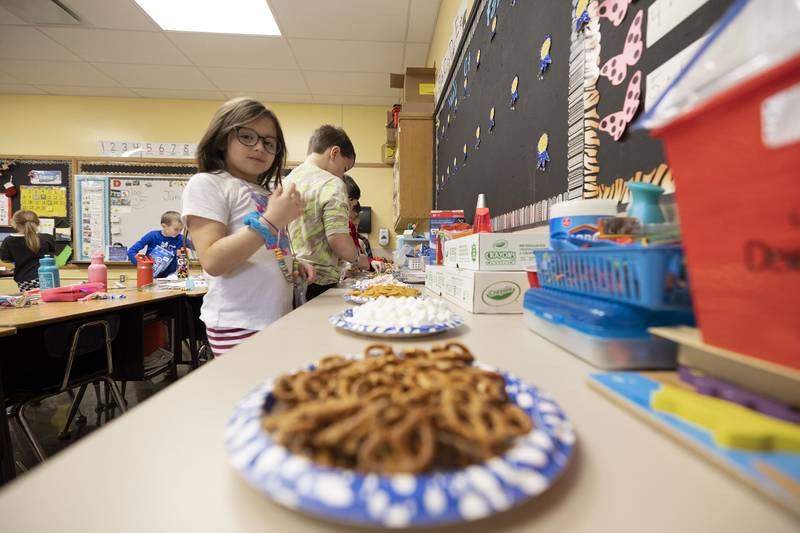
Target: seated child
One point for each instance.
(168, 239)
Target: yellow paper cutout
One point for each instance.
(545, 48)
(543, 141)
(426, 89)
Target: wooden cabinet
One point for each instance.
(413, 171)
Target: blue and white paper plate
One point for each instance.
(403, 500)
(342, 320)
(358, 300)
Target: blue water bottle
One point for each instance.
(48, 273)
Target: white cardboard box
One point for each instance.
(434, 279)
(494, 251)
(496, 292)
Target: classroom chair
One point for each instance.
(82, 352)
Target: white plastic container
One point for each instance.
(578, 218)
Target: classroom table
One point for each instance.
(48, 313)
(33, 319)
(163, 467)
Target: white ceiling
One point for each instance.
(330, 51)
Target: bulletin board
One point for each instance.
(500, 69)
(43, 186)
(604, 64)
(666, 33)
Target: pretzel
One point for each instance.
(385, 290)
(417, 411)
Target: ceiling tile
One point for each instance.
(8, 18)
(12, 88)
(257, 80)
(181, 94)
(272, 98)
(416, 54)
(355, 20)
(112, 14)
(355, 100)
(316, 54)
(26, 42)
(422, 20)
(114, 46)
(349, 83)
(57, 73)
(88, 91)
(246, 51)
(157, 76)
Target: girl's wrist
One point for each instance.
(270, 224)
(253, 221)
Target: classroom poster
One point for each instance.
(44, 201)
(92, 230)
(45, 177)
(5, 210)
(47, 225)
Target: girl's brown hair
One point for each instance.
(233, 114)
(27, 223)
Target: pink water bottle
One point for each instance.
(98, 271)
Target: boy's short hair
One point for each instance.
(170, 217)
(353, 190)
(326, 136)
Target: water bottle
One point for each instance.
(48, 273)
(98, 271)
(144, 271)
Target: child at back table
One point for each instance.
(25, 248)
(168, 238)
(236, 212)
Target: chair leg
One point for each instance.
(118, 399)
(26, 430)
(73, 409)
(99, 409)
(121, 386)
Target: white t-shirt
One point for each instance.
(254, 294)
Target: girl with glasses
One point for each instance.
(236, 212)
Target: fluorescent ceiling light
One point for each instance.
(248, 17)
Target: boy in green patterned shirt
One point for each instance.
(321, 236)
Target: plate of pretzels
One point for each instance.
(362, 296)
(408, 438)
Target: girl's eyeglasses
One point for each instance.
(249, 137)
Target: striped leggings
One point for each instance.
(223, 339)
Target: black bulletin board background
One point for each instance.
(504, 167)
(20, 174)
(637, 150)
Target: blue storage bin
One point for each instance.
(653, 277)
(609, 335)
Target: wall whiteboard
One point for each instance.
(136, 205)
(121, 209)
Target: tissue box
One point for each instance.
(494, 251)
(499, 292)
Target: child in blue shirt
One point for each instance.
(168, 237)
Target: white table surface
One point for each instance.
(162, 466)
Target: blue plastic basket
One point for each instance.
(652, 277)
